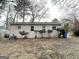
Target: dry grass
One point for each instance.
(41, 49)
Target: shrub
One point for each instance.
(49, 31)
(6, 35)
(76, 32)
(66, 27)
(61, 34)
(14, 37)
(23, 33)
(42, 32)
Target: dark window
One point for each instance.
(54, 27)
(32, 28)
(19, 27)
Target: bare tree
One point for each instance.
(38, 10)
(71, 9)
(2, 6)
(5, 7)
(21, 6)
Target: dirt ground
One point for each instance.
(56, 48)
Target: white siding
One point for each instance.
(48, 28)
(37, 27)
(14, 30)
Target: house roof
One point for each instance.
(36, 23)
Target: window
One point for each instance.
(19, 27)
(54, 27)
(32, 28)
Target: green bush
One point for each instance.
(76, 32)
(66, 27)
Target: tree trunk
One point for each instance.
(23, 15)
(16, 15)
(33, 18)
(7, 21)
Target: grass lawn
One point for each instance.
(55, 48)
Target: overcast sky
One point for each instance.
(57, 9)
